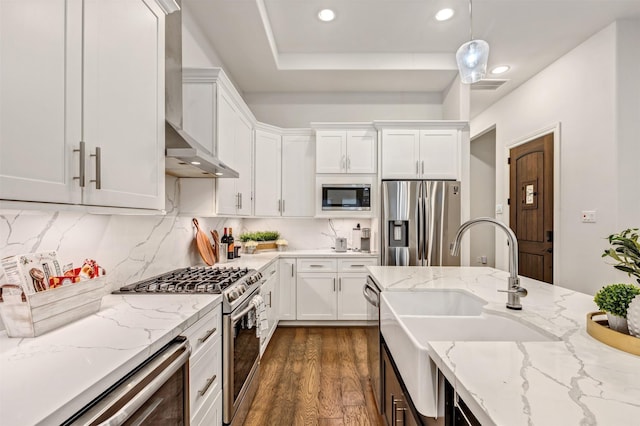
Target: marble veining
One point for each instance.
(47, 379)
(574, 381)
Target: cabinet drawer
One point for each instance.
(356, 265)
(205, 373)
(317, 265)
(206, 330)
(269, 270)
(210, 413)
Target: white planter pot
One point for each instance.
(633, 317)
(617, 323)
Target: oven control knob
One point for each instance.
(242, 288)
(233, 295)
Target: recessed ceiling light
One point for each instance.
(326, 15)
(500, 69)
(195, 163)
(444, 14)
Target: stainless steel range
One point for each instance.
(240, 343)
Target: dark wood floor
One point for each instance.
(315, 376)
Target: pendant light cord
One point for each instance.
(470, 20)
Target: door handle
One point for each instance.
(417, 167)
(292, 269)
(98, 179)
(549, 250)
(240, 201)
(549, 235)
(340, 284)
(279, 206)
(348, 163)
(422, 166)
(282, 206)
(82, 150)
(334, 284)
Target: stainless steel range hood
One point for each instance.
(184, 155)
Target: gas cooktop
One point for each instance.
(232, 283)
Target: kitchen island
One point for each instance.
(574, 380)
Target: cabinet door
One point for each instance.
(244, 165)
(269, 292)
(316, 296)
(400, 154)
(351, 302)
(331, 155)
(123, 103)
(40, 86)
(226, 195)
(287, 289)
(267, 174)
(298, 176)
(439, 154)
(361, 151)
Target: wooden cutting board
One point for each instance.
(204, 245)
(216, 244)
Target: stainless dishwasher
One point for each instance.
(372, 295)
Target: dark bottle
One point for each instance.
(230, 250)
(225, 238)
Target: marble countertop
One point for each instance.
(574, 381)
(45, 380)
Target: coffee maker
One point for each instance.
(365, 240)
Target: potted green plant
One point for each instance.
(625, 250)
(614, 299)
(264, 239)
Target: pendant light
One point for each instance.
(472, 56)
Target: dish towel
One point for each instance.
(261, 314)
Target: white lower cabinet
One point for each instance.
(287, 290)
(334, 292)
(210, 414)
(269, 292)
(205, 369)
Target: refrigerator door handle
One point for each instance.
(426, 225)
(419, 229)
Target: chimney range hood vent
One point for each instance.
(184, 155)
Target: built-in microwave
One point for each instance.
(346, 197)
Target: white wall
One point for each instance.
(456, 103)
(299, 109)
(579, 91)
(483, 195)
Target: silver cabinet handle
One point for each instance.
(357, 266)
(422, 166)
(207, 335)
(207, 385)
(315, 266)
(348, 163)
(292, 269)
(334, 284)
(417, 167)
(279, 206)
(282, 206)
(98, 179)
(82, 150)
(240, 201)
(340, 284)
(270, 300)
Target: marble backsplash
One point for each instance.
(134, 247)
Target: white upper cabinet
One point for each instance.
(345, 151)
(284, 174)
(217, 117)
(422, 153)
(268, 149)
(298, 176)
(90, 71)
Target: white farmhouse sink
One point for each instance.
(408, 327)
(434, 302)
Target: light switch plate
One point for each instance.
(588, 216)
(498, 208)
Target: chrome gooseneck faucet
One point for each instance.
(514, 291)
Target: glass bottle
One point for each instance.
(230, 249)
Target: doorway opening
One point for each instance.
(483, 197)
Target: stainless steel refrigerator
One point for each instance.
(418, 222)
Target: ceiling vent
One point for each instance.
(488, 84)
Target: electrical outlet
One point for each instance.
(588, 216)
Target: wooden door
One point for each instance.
(531, 200)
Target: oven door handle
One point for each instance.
(236, 317)
(371, 300)
(143, 396)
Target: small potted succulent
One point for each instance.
(625, 250)
(249, 246)
(282, 244)
(614, 299)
